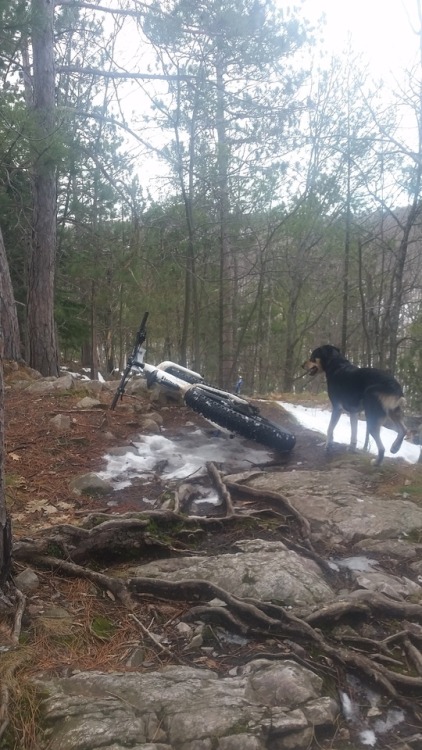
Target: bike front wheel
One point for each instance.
(253, 427)
(116, 398)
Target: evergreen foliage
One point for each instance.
(276, 174)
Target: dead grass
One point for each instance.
(98, 635)
(23, 702)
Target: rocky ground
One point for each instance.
(266, 641)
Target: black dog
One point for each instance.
(352, 389)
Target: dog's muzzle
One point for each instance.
(310, 367)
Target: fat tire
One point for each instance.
(217, 409)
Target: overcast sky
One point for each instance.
(379, 29)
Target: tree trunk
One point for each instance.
(94, 339)
(191, 306)
(43, 353)
(5, 526)
(8, 316)
(344, 321)
(292, 338)
(226, 291)
(397, 286)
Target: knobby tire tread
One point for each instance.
(257, 428)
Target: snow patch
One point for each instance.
(318, 420)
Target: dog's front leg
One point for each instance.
(335, 416)
(353, 430)
(366, 443)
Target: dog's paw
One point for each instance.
(378, 460)
(396, 445)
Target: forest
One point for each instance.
(200, 161)
(208, 162)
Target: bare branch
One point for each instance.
(124, 75)
(104, 9)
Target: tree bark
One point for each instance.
(226, 291)
(42, 344)
(5, 526)
(8, 315)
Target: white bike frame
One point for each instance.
(170, 381)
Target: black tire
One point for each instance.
(216, 409)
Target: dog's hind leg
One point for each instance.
(396, 417)
(375, 416)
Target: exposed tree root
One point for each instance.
(216, 476)
(275, 497)
(100, 535)
(113, 585)
(391, 670)
(260, 619)
(252, 617)
(20, 609)
(368, 601)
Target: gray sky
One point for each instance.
(379, 29)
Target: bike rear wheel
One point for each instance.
(253, 427)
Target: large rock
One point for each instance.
(90, 484)
(188, 708)
(51, 385)
(19, 372)
(262, 570)
(339, 505)
(93, 387)
(89, 403)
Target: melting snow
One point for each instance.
(349, 710)
(368, 737)
(358, 563)
(360, 718)
(181, 458)
(318, 420)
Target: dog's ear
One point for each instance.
(316, 354)
(330, 350)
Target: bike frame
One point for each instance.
(160, 375)
(232, 413)
(164, 379)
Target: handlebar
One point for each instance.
(169, 375)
